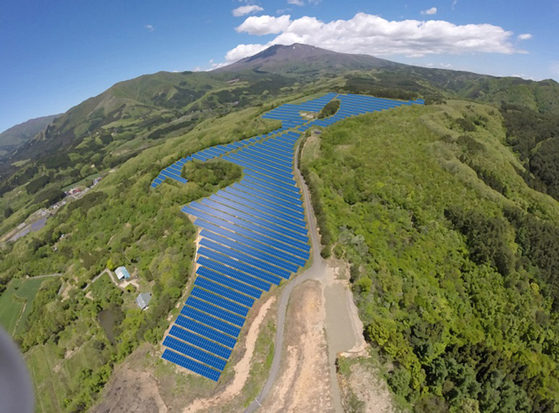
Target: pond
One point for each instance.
(107, 320)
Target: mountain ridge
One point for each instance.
(297, 57)
(17, 135)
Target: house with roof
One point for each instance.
(143, 300)
(122, 273)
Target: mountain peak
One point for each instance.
(303, 58)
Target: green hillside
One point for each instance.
(17, 135)
(452, 255)
(447, 213)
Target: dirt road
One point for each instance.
(340, 319)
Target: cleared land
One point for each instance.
(17, 302)
(304, 383)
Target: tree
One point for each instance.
(8, 212)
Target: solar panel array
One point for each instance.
(253, 233)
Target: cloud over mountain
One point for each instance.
(371, 34)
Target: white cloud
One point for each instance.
(244, 10)
(296, 2)
(454, 3)
(443, 65)
(524, 36)
(149, 27)
(432, 10)
(370, 34)
(242, 51)
(264, 25)
(523, 76)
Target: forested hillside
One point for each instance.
(453, 257)
(121, 222)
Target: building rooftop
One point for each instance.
(143, 300)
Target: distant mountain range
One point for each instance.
(17, 135)
(150, 107)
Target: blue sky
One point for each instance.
(54, 54)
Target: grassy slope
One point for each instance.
(385, 182)
(19, 294)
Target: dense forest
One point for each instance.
(453, 258)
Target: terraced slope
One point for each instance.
(254, 233)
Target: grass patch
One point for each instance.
(17, 302)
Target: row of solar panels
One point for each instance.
(354, 105)
(253, 236)
(173, 171)
(351, 105)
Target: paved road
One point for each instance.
(315, 271)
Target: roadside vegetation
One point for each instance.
(452, 255)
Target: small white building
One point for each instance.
(122, 273)
(143, 300)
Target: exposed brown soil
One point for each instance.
(366, 386)
(132, 392)
(304, 382)
(242, 368)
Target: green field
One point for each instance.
(17, 302)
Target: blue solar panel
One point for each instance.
(210, 320)
(295, 206)
(264, 167)
(291, 198)
(269, 161)
(252, 235)
(200, 157)
(194, 353)
(291, 191)
(276, 145)
(233, 273)
(200, 341)
(253, 167)
(191, 365)
(239, 266)
(245, 258)
(241, 226)
(206, 331)
(257, 210)
(229, 282)
(272, 183)
(223, 291)
(300, 234)
(215, 311)
(219, 301)
(265, 256)
(264, 150)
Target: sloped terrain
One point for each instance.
(440, 231)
